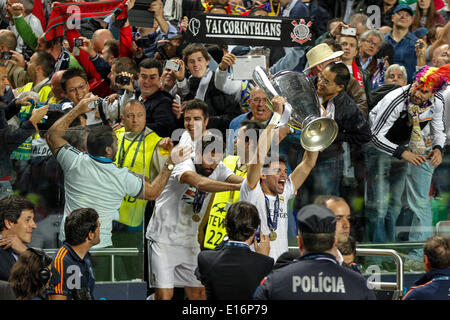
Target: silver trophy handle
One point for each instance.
(262, 81)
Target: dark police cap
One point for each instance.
(314, 218)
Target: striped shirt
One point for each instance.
(71, 275)
(389, 122)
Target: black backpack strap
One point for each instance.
(102, 113)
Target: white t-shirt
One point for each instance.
(89, 183)
(93, 117)
(39, 148)
(256, 197)
(186, 140)
(171, 222)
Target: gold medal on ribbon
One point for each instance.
(196, 217)
(273, 236)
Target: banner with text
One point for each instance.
(250, 31)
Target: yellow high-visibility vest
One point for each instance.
(215, 228)
(131, 154)
(23, 152)
(43, 93)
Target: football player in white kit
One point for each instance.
(172, 231)
(268, 187)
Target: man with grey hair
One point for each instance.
(394, 77)
(369, 44)
(396, 74)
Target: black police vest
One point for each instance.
(314, 277)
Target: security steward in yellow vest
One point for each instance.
(139, 149)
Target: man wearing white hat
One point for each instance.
(318, 59)
(327, 175)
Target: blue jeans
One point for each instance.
(385, 182)
(417, 189)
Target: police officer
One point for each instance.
(316, 275)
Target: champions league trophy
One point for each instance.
(318, 132)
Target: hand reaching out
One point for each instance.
(227, 61)
(263, 247)
(179, 153)
(83, 105)
(278, 104)
(177, 108)
(17, 9)
(88, 47)
(38, 114)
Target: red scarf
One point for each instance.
(357, 74)
(88, 10)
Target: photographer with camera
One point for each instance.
(14, 61)
(148, 38)
(157, 102)
(92, 180)
(75, 84)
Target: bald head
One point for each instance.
(99, 38)
(341, 210)
(134, 116)
(55, 84)
(441, 55)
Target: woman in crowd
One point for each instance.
(426, 15)
(30, 275)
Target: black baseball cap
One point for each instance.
(315, 218)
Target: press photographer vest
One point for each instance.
(131, 154)
(215, 228)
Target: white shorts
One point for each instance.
(172, 266)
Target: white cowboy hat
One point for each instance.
(321, 53)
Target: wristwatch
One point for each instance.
(169, 166)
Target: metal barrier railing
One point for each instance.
(391, 245)
(396, 286)
(106, 252)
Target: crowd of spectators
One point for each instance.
(138, 130)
